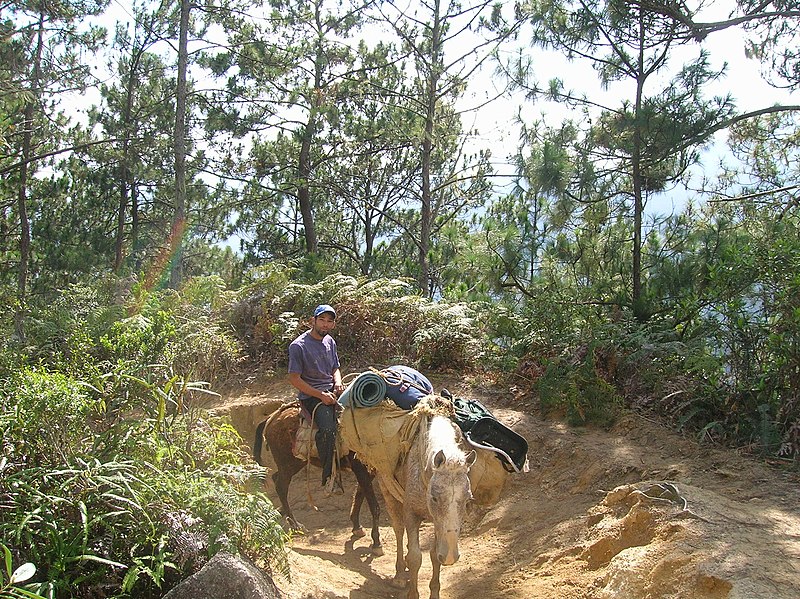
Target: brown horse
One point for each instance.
(279, 431)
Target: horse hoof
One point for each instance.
(295, 526)
(358, 533)
(377, 551)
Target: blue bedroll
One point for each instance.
(368, 389)
(406, 386)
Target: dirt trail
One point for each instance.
(635, 512)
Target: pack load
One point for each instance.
(405, 386)
(368, 389)
(483, 430)
(382, 413)
(381, 436)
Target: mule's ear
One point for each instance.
(439, 459)
(472, 456)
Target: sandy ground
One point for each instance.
(635, 512)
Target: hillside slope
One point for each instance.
(635, 512)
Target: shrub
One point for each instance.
(379, 323)
(141, 339)
(43, 416)
(126, 507)
(449, 340)
(64, 332)
(203, 350)
(127, 526)
(576, 390)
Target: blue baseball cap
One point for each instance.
(322, 308)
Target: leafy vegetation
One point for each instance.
(117, 484)
(12, 579)
(113, 477)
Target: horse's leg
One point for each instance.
(279, 433)
(414, 557)
(366, 490)
(395, 509)
(437, 567)
(375, 510)
(355, 512)
(282, 477)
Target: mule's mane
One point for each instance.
(443, 436)
(437, 432)
(435, 405)
(415, 428)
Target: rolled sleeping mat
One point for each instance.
(368, 389)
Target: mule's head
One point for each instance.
(448, 493)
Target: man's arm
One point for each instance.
(298, 383)
(338, 388)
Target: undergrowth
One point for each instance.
(115, 483)
(115, 494)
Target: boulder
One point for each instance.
(226, 576)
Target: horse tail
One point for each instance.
(259, 441)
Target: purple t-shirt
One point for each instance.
(314, 360)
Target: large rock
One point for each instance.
(226, 576)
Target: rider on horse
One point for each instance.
(314, 372)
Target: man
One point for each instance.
(314, 372)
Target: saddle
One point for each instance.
(304, 446)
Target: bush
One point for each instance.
(124, 507)
(44, 417)
(379, 323)
(203, 350)
(579, 392)
(141, 339)
(125, 526)
(449, 340)
(64, 332)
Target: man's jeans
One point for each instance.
(325, 419)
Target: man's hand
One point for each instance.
(338, 390)
(328, 398)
